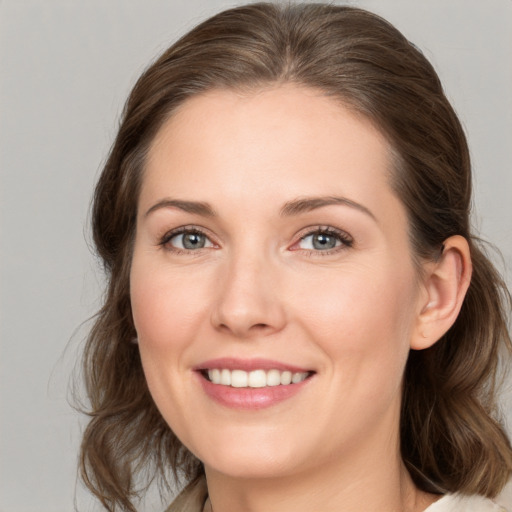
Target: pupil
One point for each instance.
(193, 241)
(323, 241)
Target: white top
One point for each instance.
(193, 497)
(462, 503)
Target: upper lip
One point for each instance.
(231, 363)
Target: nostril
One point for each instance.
(259, 328)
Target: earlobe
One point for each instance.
(445, 284)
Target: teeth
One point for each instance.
(225, 377)
(254, 379)
(273, 378)
(239, 379)
(257, 379)
(286, 378)
(216, 375)
(297, 377)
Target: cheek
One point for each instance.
(166, 312)
(362, 320)
(164, 308)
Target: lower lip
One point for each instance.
(250, 398)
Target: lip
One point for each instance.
(248, 365)
(249, 399)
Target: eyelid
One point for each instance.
(164, 240)
(345, 238)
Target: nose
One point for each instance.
(248, 302)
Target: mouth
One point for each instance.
(258, 378)
(251, 384)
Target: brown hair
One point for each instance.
(450, 439)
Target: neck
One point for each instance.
(383, 485)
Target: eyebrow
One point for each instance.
(199, 208)
(307, 204)
(291, 208)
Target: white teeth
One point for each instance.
(273, 378)
(239, 379)
(286, 378)
(254, 379)
(257, 379)
(225, 377)
(214, 376)
(298, 377)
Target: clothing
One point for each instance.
(462, 503)
(193, 497)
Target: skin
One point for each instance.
(258, 289)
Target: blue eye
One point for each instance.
(324, 240)
(189, 240)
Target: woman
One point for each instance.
(297, 315)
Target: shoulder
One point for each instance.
(464, 503)
(191, 498)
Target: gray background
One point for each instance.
(65, 70)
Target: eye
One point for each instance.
(319, 242)
(187, 240)
(324, 240)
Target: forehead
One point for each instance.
(275, 143)
(268, 110)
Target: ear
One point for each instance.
(445, 283)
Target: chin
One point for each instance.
(253, 468)
(250, 460)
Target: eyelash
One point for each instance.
(192, 230)
(346, 241)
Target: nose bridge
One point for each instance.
(248, 301)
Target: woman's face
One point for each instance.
(270, 247)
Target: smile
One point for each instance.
(251, 384)
(254, 379)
